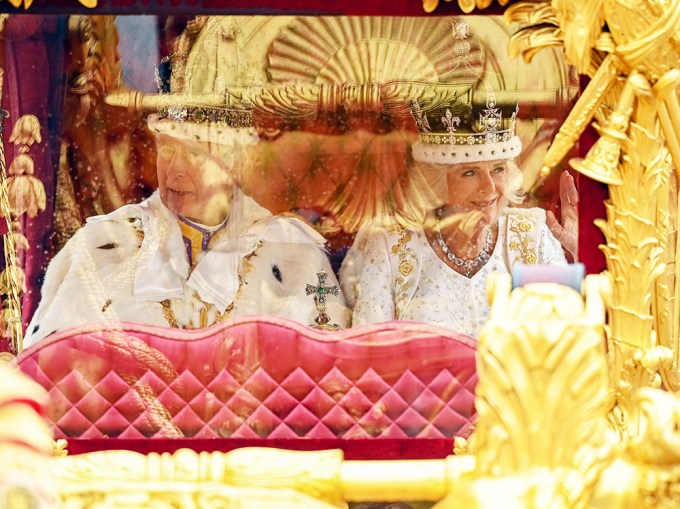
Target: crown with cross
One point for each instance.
(466, 131)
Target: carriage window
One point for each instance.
(226, 182)
(336, 171)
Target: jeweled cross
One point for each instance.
(320, 291)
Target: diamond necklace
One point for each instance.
(467, 265)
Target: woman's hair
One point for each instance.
(426, 191)
(514, 189)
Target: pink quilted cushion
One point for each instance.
(255, 377)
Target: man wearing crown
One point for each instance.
(194, 253)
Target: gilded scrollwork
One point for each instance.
(648, 464)
(629, 52)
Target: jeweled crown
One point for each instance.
(209, 116)
(466, 132)
(238, 118)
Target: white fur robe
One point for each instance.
(123, 265)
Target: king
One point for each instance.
(195, 252)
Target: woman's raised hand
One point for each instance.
(566, 231)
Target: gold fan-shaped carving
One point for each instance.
(369, 66)
(375, 50)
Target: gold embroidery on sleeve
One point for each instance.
(403, 280)
(523, 239)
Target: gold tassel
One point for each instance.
(25, 132)
(26, 192)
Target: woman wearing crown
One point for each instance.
(195, 252)
(437, 273)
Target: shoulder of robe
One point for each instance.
(535, 213)
(286, 229)
(119, 233)
(391, 233)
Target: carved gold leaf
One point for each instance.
(90, 4)
(539, 415)
(656, 416)
(528, 42)
(466, 6)
(645, 33)
(581, 22)
(531, 13)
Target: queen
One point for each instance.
(437, 272)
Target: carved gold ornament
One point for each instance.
(90, 4)
(630, 53)
(466, 6)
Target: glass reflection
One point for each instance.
(346, 117)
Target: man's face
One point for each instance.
(192, 182)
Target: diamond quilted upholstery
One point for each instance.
(256, 377)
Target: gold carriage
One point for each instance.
(576, 396)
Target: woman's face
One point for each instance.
(192, 182)
(477, 187)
